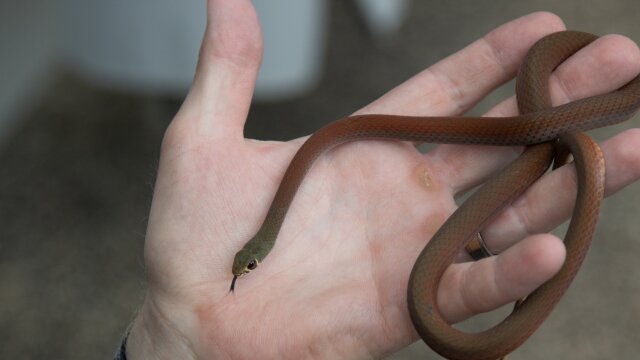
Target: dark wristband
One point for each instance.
(122, 351)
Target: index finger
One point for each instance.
(456, 83)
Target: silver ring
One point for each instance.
(477, 249)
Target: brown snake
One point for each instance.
(543, 127)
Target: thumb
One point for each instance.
(230, 55)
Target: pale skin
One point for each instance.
(334, 285)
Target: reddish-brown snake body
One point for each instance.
(539, 125)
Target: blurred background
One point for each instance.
(87, 89)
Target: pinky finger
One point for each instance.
(471, 288)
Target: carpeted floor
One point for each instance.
(77, 177)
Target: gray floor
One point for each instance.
(75, 188)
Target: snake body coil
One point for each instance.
(539, 126)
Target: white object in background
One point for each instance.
(384, 17)
(294, 46)
(152, 45)
(142, 45)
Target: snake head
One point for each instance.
(243, 263)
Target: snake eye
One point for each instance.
(252, 264)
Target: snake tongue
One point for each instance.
(233, 283)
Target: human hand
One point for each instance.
(334, 286)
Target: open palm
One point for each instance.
(334, 286)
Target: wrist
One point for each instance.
(153, 336)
